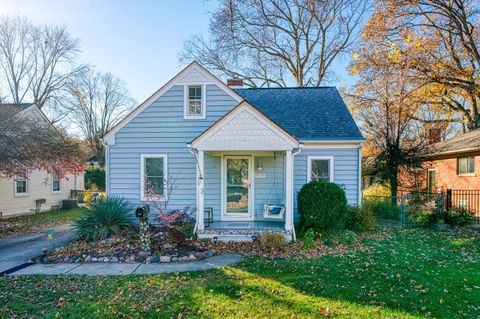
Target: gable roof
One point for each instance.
(229, 132)
(463, 143)
(192, 71)
(307, 113)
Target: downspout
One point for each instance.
(359, 202)
(300, 147)
(195, 153)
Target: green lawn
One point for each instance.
(32, 222)
(413, 274)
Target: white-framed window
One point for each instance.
(466, 165)
(194, 107)
(320, 167)
(21, 185)
(153, 177)
(55, 183)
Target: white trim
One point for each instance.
(331, 144)
(211, 79)
(285, 142)
(331, 166)
(203, 89)
(251, 191)
(107, 170)
(59, 185)
(288, 190)
(200, 190)
(142, 174)
(27, 187)
(359, 201)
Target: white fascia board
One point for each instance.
(209, 78)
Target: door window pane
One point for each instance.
(237, 185)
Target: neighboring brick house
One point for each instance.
(455, 164)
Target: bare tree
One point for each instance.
(30, 142)
(94, 102)
(35, 60)
(275, 42)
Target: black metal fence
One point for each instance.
(469, 199)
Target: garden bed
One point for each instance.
(124, 248)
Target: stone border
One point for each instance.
(100, 269)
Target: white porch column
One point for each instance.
(288, 190)
(200, 191)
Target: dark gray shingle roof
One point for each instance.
(306, 113)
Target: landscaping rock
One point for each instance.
(88, 258)
(114, 259)
(200, 255)
(211, 252)
(165, 259)
(174, 259)
(94, 259)
(155, 259)
(144, 254)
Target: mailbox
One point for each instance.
(142, 211)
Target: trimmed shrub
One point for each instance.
(95, 178)
(376, 190)
(458, 216)
(272, 240)
(104, 218)
(360, 219)
(322, 206)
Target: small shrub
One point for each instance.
(95, 178)
(180, 222)
(383, 209)
(376, 190)
(360, 219)
(104, 218)
(347, 237)
(272, 240)
(90, 196)
(308, 238)
(322, 206)
(458, 216)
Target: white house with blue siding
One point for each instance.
(240, 156)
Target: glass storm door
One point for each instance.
(238, 187)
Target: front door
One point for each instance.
(237, 188)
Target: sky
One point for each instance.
(137, 40)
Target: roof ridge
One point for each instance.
(289, 88)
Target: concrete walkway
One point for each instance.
(108, 269)
(18, 250)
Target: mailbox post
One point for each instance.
(142, 214)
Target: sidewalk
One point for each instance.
(108, 269)
(21, 249)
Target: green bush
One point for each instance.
(95, 178)
(458, 216)
(360, 218)
(322, 206)
(272, 240)
(383, 209)
(308, 238)
(104, 218)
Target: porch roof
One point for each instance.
(245, 128)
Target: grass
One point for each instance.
(412, 274)
(32, 222)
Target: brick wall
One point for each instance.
(447, 177)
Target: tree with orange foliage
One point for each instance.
(438, 41)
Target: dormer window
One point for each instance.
(194, 107)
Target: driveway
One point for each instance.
(18, 250)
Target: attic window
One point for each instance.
(194, 107)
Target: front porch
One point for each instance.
(244, 177)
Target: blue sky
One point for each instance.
(138, 41)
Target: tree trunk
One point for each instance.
(394, 188)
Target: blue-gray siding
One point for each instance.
(345, 170)
(161, 129)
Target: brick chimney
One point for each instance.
(235, 83)
(434, 135)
